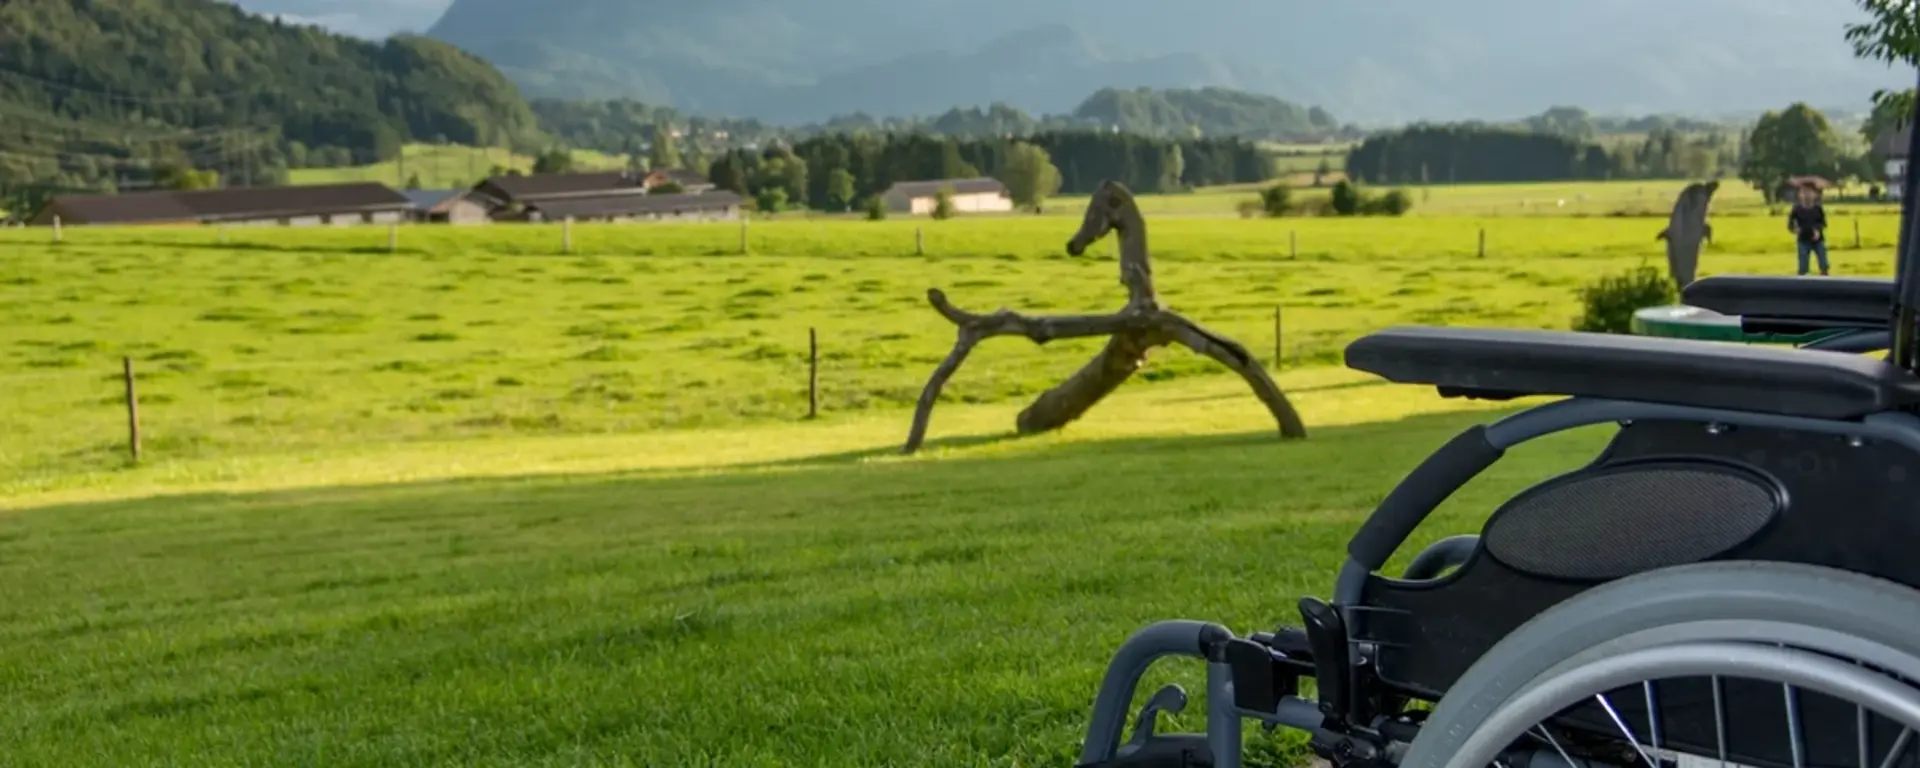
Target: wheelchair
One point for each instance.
(1734, 579)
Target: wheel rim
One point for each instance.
(1523, 717)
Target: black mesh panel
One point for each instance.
(1629, 519)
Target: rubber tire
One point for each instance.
(1819, 609)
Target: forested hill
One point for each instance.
(124, 91)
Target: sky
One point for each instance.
(365, 18)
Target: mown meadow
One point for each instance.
(473, 500)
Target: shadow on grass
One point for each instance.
(1367, 456)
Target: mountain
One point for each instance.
(94, 91)
(1370, 60)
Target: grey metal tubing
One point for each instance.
(1854, 341)
(1543, 698)
(1444, 554)
(1899, 428)
(1156, 641)
(1294, 712)
(1223, 718)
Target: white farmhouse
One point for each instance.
(969, 196)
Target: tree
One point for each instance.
(1276, 201)
(666, 153)
(1891, 34)
(1890, 112)
(840, 189)
(876, 208)
(771, 200)
(554, 161)
(943, 204)
(413, 181)
(1796, 142)
(1346, 198)
(1320, 172)
(1030, 175)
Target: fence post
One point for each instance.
(223, 234)
(919, 242)
(1483, 242)
(56, 230)
(743, 232)
(393, 238)
(1293, 244)
(1278, 356)
(813, 373)
(566, 235)
(1856, 232)
(133, 409)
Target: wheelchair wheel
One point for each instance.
(1758, 664)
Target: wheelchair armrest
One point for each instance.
(1802, 303)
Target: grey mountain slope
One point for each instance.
(1373, 60)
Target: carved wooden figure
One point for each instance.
(1143, 324)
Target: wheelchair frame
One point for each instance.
(1256, 677)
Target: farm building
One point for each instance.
(688, 181)
(511, 190)
(1894, 145)
(326, 204)
(622, 207)
(969, 196)
(447, 206)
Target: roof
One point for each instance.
(682, 176)
(428, 199)
(630, 205)
(547, 185)
(976, 186)
(1893, 144)
(228, 204)
(131, 208)
(1809, 181)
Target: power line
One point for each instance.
(121, 97)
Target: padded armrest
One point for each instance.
(1497, 364)
(1862, 302)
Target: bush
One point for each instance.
(943, 204)
(1346, 198)
(1608, 304)
(1276, 201)
(876, 209)
(1394, 203)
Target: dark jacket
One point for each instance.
(1808, 221)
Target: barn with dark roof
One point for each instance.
(323, 204)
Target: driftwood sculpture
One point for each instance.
(1143, 324)
(1686, 228)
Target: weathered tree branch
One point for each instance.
(1134, 330)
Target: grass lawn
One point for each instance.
(478, 503)
(444, 166)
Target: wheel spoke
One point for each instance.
(1794, 739)
(1899, 748)
(1624, 729)
(1719, 722)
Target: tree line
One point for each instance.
(844, 171)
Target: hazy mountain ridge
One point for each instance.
(1370, 60)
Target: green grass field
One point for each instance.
(480, 503)
(444, 166)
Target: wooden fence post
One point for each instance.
(56, 230)
(1856, 232)
(393, 238)
(813, 373)
(1483, 242)
(1278, 356)
(919, 242)
(566, 235)
(743, 233)
(133, 409)
(1293, 243)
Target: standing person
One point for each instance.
(1808, 220)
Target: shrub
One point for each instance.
(943, 204)
(1608, 304)
(1346, 198)
(876, 209)
(1251, 208)
(1394, 203)
(1276, 200)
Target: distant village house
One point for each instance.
(606, 196)
(981, 195)
(317, 205)
(447, 206)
